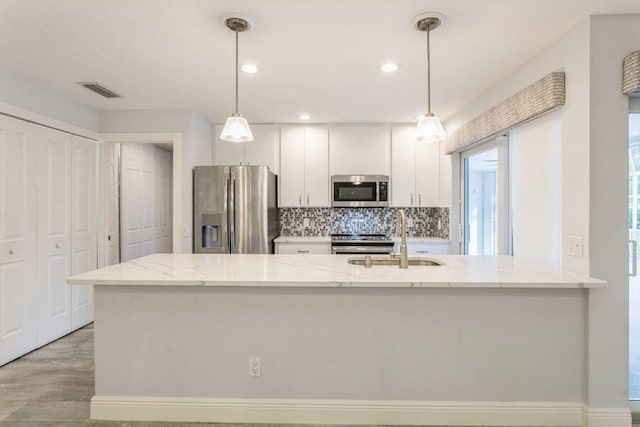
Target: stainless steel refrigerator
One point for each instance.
(234, 209)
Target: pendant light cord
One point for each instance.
(428, 71)
(236, 31)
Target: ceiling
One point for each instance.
(315, 56)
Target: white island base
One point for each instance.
(175, 345)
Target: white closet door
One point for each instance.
(83, 227)
(113, 213)
(54, 234)
(162, 195)
(18, 307)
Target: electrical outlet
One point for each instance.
(255, 368)
(574, 246)
(439, 224)
(305, 222)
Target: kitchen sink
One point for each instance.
(394, 262)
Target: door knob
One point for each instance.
(12, 252)
(58, 245)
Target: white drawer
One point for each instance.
(303, 248)
(423, 249)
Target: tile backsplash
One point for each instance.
(422, 222)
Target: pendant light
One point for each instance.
(236, 128)
(429, 128)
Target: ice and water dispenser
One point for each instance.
(212, 234)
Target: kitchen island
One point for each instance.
(477, 341)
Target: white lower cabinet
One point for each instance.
(303, 248)
(47, 232)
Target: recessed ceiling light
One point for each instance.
(304, 116)
(249, 68)
(389, 67)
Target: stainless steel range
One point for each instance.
(361, 244)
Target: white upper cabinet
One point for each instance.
(359, 150)
(263, 150)
(316, 166)
(304, 172)
(415, 170)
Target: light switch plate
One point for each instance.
(574, 246)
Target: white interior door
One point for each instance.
(18, 264)
(83, 227)
(145, 201)
(54, 234)
(113, 204)
(163, 173)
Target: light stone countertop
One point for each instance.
(331, 271)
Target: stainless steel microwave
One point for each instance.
(359, 191)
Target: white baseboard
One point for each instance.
(295, 411)
(608, 417)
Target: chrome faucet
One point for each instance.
(401, 226)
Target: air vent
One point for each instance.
(99, 89)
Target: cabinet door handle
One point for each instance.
(419, 199)
(422, 252)
(307, 199)
(300, 199)
(300, 251)
(412, 200)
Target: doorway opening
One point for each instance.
(140, 180)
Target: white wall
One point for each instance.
(612, 38)
(535, 189)
(570, 54)
(594, 183)
(29, 95)
(197, 145)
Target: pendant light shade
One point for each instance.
(236, 128)
(429, 128)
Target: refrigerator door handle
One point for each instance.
(232, 214)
